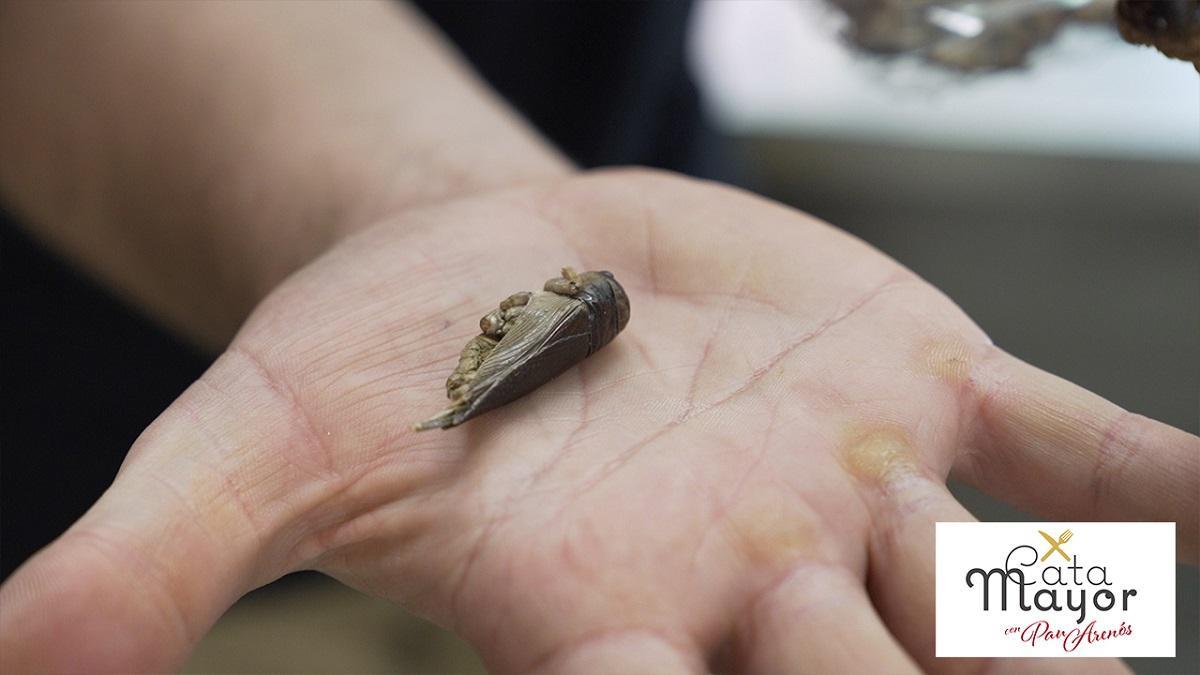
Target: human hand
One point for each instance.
(746, 478)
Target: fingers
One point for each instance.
(906, 506)
(818, 620)
(907, 503)
(1053, 448)
(624, 652)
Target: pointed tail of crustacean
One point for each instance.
(442, 420)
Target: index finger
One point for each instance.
(1053, 448)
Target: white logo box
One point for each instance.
(1120, 576)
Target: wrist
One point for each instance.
(341, 190)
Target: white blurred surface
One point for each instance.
(780, 66)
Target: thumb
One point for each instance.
(131, 587)
(143, 575)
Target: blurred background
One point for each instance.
(1056, 202)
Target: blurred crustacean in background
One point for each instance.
(1171, 26)
(988, 35)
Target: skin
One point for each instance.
(746, 479)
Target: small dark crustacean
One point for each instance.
(531, 338)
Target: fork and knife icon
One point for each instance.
(1056, 544)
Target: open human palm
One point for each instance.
(745, 479)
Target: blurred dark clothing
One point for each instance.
(606, 82)
(83, 374)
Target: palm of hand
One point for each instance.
(750, 446)
(747, 477)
